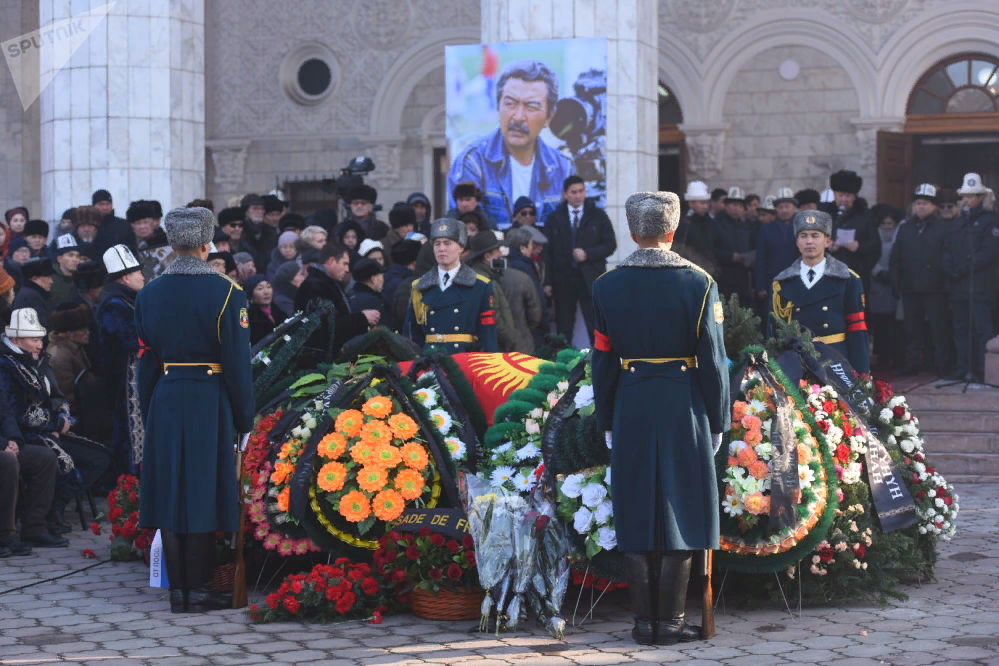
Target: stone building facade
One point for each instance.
(772, 92)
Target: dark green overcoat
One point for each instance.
(192, 314)
(657, 305)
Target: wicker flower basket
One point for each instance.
(223, 577)
(447, 605)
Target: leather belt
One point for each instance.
(690, 361)
(210, 368)
(450, 337)
(831, 339)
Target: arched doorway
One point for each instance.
(951, 127)
(672, 149)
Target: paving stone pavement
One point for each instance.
(107, 615)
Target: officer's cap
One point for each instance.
(446, 227)
(188, 228)
(652, 214)
(808, 220)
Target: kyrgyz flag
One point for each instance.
(493, 377)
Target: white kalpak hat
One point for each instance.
(367, 245)
(925, 191)
(735, 194)
(972, 184)
(24, 324)
(828, 196)
(770, 203)
(785, 195)
(118, 260)
(697, 190)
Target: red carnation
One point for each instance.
(413, 553)
(346, 603)
(95, 528)
(468, 542)
(296, 587)
(847, 429)
(424, 531)
(829, 406)
(453, 546)
(948, 501)
(333, 593)
(356, 574)
(898, 412)
(340, 561)
(115, 514)
(89, 554)
(470, 557)
(369, 585)
(436, 573)
(292, 605)
(398, 576)
(133, 497)
(273, 600)
(376, 617)
(860, 550)
(843, 454)
(827, 555)
(437, 540)
(824, 426)
(931, 470)
(394, 536)
(454, 572)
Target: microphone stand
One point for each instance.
(969, 375)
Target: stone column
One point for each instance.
(631, 28)
(127, 112)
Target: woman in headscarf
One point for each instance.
(285, 283)
(264, 314)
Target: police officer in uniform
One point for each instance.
(451, 308)
(822, 293)
(971, 255)
(196, 395)
(660, 381)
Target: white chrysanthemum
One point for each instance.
(593, 494)
(907, 446)
(296, 432)
(765, 450)
(426, 397)
(503, 448)
(537, 413)
(897, 401)
(919, 467)
(441, 420)
(735, 446)
(886, 415)
(582, 520)
(528, 452)
(501, 475)
(604, 512)
(755, 407)
(607, 538)
(584, 397)
(806, 477)
(733, 505)
(532, 427)
(749, 485)
(851, 473)
(456, 448)
(524, 482)
(562, 386)
(572, 487)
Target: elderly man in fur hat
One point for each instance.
(856, 241)
(196, 395)
(660, 382)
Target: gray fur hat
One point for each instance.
(446, 227)
(652, 214)
(188, 228)
(805, 220)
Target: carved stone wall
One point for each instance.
(789, 133)
(20, 177)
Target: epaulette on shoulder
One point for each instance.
(231, 281)
(483, 278)
(611, 270)
(702, 271)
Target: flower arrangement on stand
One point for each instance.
(427, 394)
(935, 498)
(343, 590)
(128, 541)
(421, 566)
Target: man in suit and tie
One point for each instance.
(580, 238)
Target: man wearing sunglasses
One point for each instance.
(948, 208)
(525, 213)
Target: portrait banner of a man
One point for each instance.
(521, 118)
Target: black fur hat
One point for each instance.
(36, 228)
(272, 204)
(846, 181)
(462, 190)
(141, 209)
(37, 267)
(70, 317)
(365, 192)
(90, 275)
(232, 215)
(808, 196)
(401, 215)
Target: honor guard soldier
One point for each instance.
(196, 396)
(660, 381)
(822, 293)
(452, 308)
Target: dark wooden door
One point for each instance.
(894, 168)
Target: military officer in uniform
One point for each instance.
(196, 395)
(452, 308)
(660, 380)
(822, 293)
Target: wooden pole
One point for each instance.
(708, 598)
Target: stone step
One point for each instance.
(972, 478)
(971, 464)
(960, 442)
(972, 401)
(958, 421)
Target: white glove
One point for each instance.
(608, 437)
(716, 439)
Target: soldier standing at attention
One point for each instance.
(660, 379)
(196, 396)
(452, 308)
(822, 293)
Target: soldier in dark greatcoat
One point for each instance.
(822, 293)
(660, 380)
(196, 394)
(452, 308)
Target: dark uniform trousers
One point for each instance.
(927, 329)
(37, 466)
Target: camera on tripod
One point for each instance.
(580, 122)
(351, 176)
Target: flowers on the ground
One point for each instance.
(584, 500)
(426, 561)
(128, 541)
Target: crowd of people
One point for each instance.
(68, 360)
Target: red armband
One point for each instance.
(487, 317)
(855, 321)
(143, 348)
(601, 342)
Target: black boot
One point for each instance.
(641, 585)
(199, 562)
(674, 574)
(55, 521)
(173, 552)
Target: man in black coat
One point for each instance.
(325, 283)
(917, 275)
(398, 277)
(259, 238)
(366, 294)
(113, 229)
(856, 241)
(36, 289)
(733, 247)
(971, 256)
(580, 238)
(695, 239)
